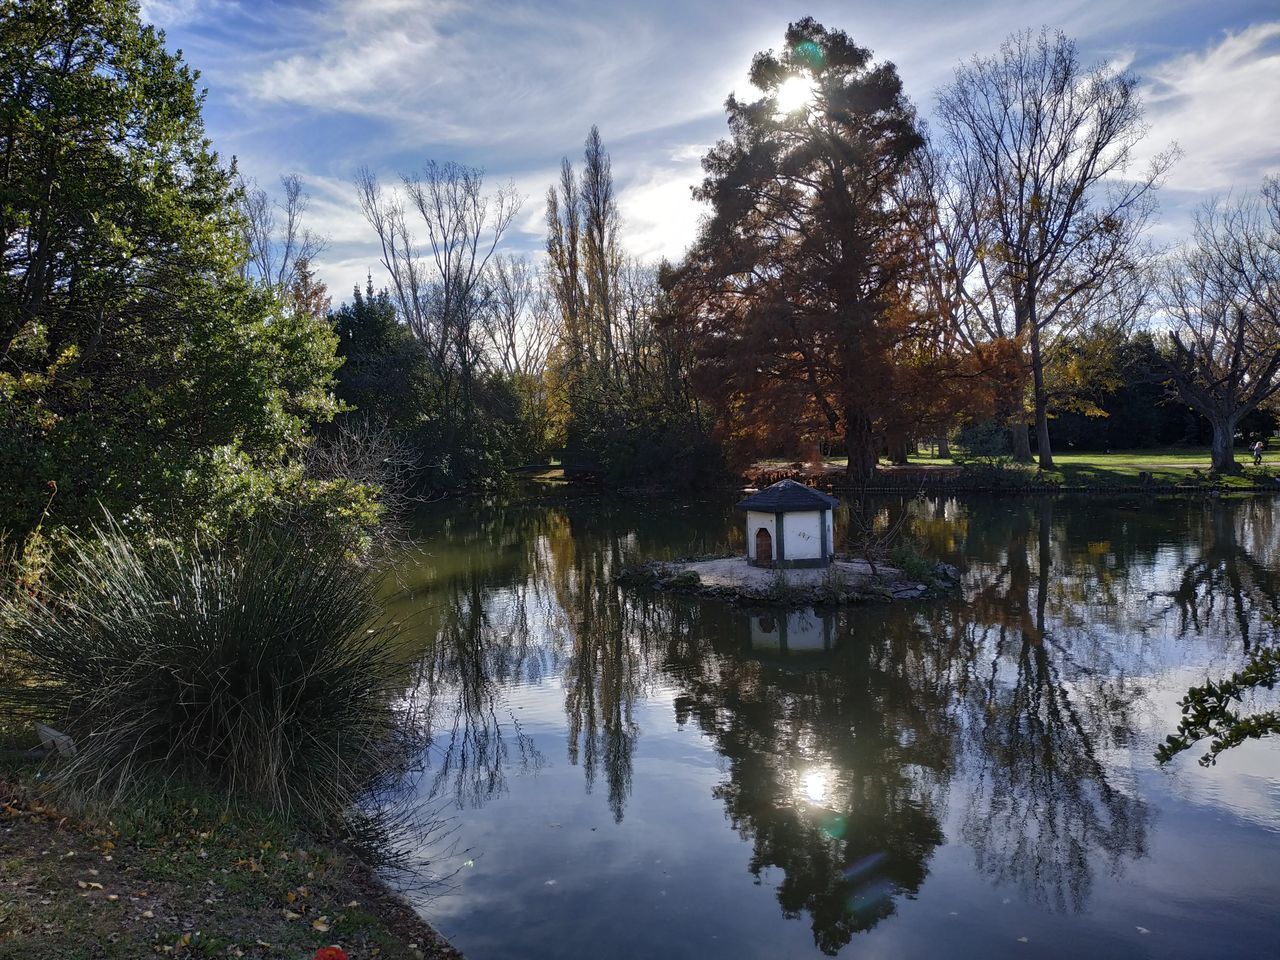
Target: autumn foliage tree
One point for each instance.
(801, 290)
(617, 374)
(1046, 211)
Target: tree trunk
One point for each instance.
(1224, 438)
(944, 447)
(899, 448)
(861, 443)
(1019, 439)
(1020, 445)
(1042, 402)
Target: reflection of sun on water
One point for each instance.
(794, 93)
(816, 783)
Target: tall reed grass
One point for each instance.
(262, 668)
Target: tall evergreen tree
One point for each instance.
(137, 367)
(791, 285)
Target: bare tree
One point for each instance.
(564, 255)
(1047, 209)
(601, 247)
(1222, 296)
(276, 241)
(440, 287)
(520, 322)
(363, 452)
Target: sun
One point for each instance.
(794, 93)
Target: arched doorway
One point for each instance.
(764, 548)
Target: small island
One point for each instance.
(790, 560)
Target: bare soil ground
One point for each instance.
(191, 885)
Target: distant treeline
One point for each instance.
(859, 281)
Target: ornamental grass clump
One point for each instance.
(261, 668)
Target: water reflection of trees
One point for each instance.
(1042, 808)
(1045, 701)
(870, 723)
(510, 595)
(1011, 710)
(605, 670)
(462, 682)
(1231, 580)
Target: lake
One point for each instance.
(649, 775)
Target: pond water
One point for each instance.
(640, 775)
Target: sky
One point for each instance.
(322, 88)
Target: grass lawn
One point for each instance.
(1166, 465)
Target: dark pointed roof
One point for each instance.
(785, 496)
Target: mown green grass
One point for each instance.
(1170, 465)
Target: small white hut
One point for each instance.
(789, 525)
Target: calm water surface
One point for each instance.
(653, 776)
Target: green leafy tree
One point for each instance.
(138, 368)
(382, 377)
(1217, 710)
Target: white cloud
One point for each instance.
(444, 72)
(172, 13)
(512, 85)
(1222, 108)
(660, 217)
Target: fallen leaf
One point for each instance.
(321, 924)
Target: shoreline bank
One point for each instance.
(188, 883)
(845, 582)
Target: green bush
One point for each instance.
(906, 556)
(261, 668)
(983, 443)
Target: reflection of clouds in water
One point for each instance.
(1024, 715)
(1245, 781)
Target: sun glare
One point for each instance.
(815, 785)
(795, 93)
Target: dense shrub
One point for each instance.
(646, 448)
(260, 668)
(984, 443)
